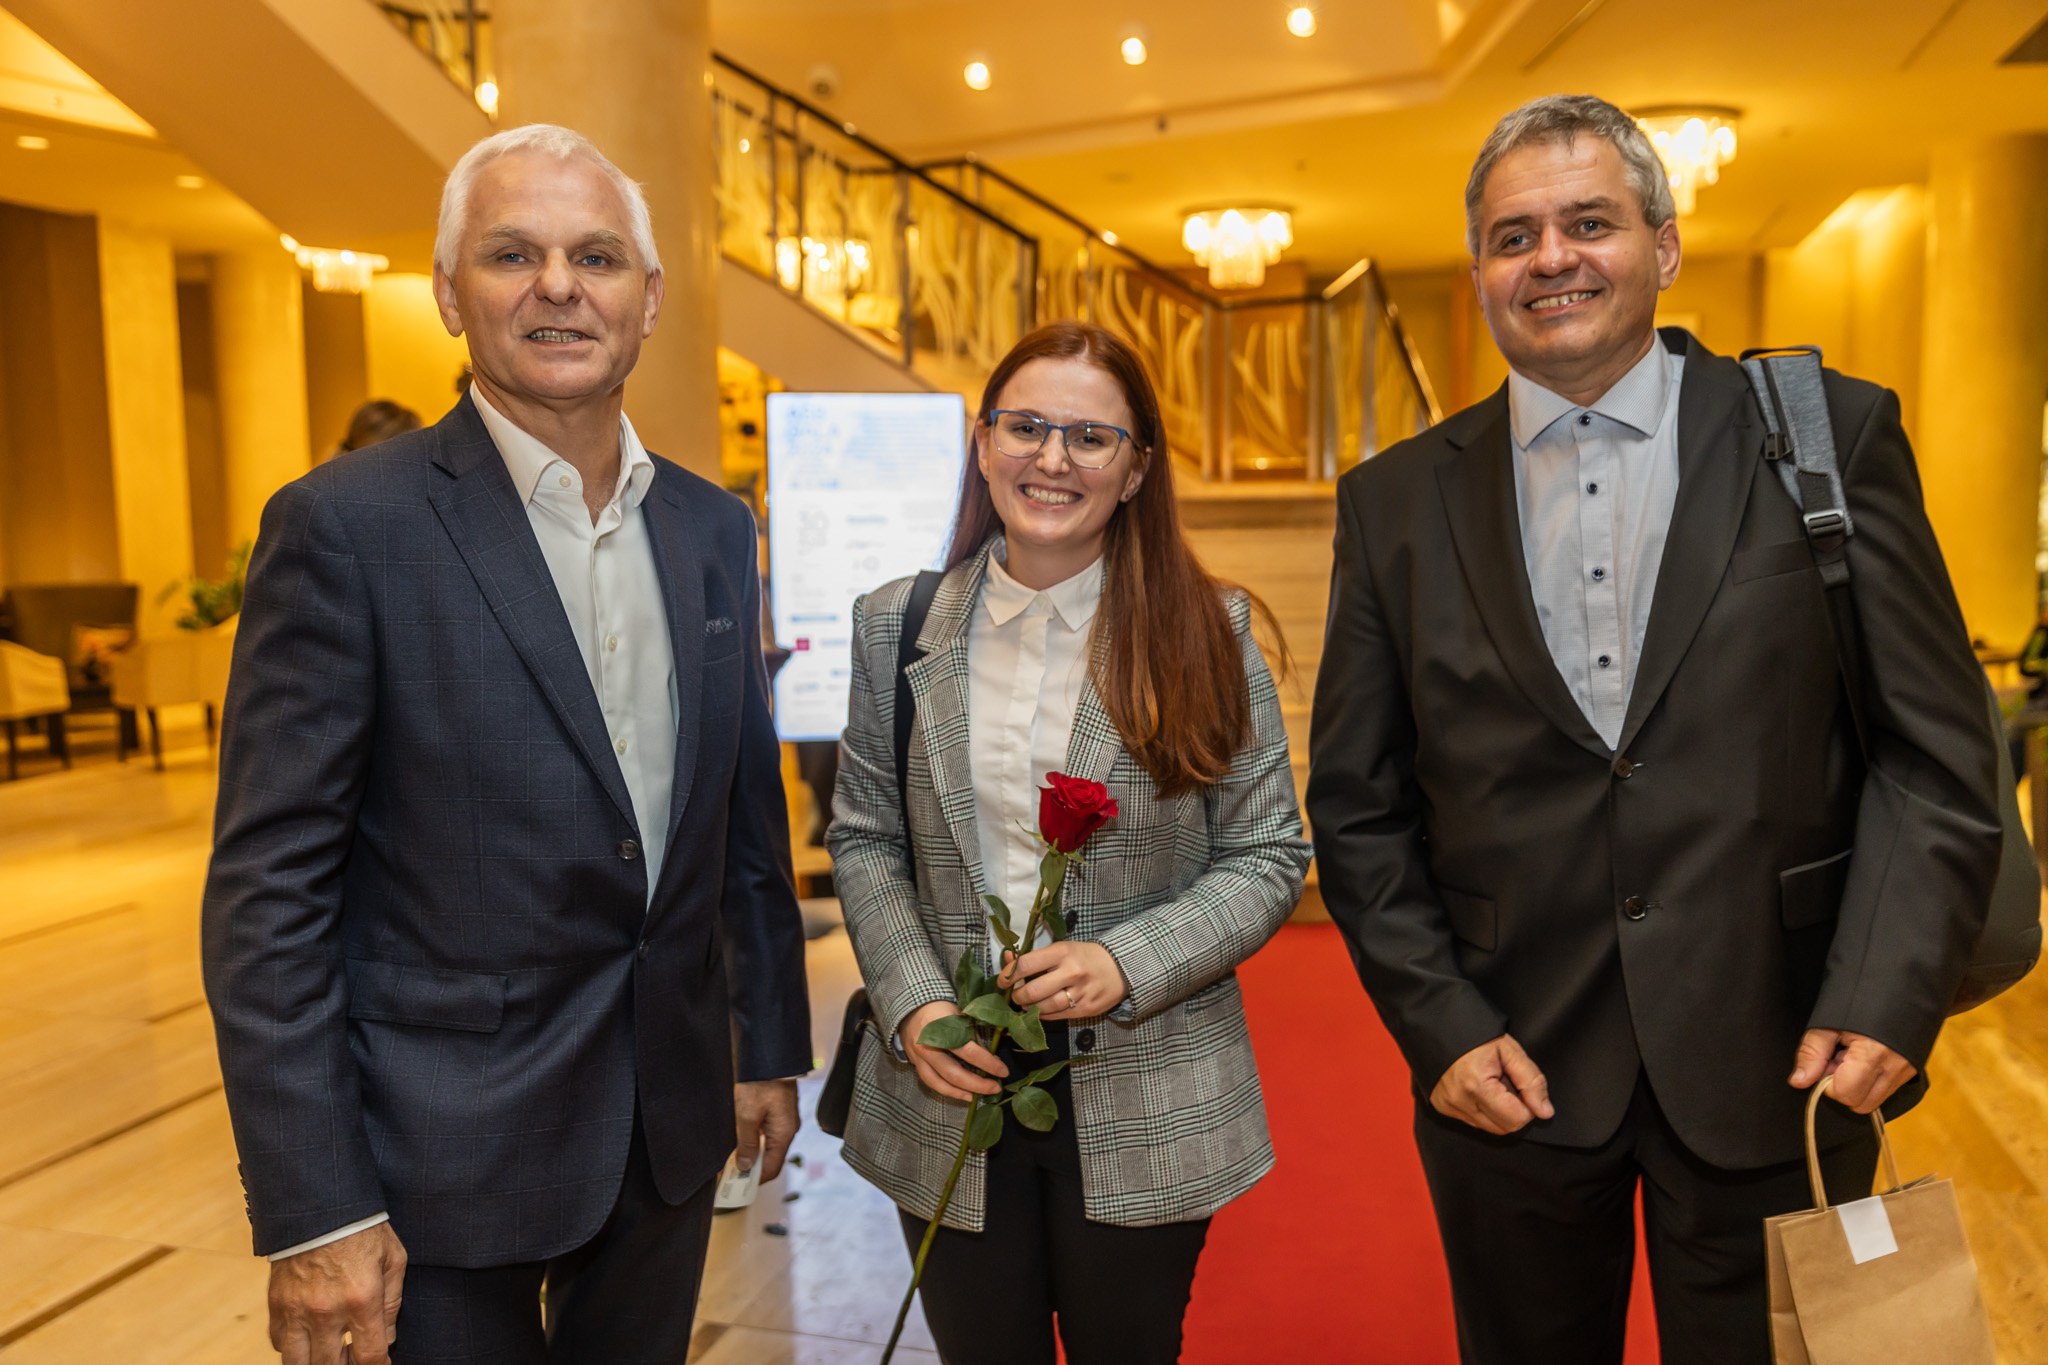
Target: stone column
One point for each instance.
(259, 342)
(146, 418)
(1984, 374)
(634, 76)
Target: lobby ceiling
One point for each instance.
(1367, 129)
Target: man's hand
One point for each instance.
(351, 1286)
(1866, 1072)
(959, 1074)
(1494, 1087)
(768, 1123)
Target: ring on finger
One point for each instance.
(1071, 1002)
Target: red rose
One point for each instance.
(1071, 809)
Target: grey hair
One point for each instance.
(1561, 118)
(552, 140)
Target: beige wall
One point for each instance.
(260, 360)
(1855, 287)
(146, 416)
(1716, 298)
(205, 470)
(412, 359)
(56, 449)
(337, 364)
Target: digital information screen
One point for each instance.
(861, 490)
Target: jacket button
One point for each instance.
(641, 952)
(1084, 1041)
(628, 850)
(1624, 769)
(1635, 907)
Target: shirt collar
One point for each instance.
(1074, 600)
(527, 458)
(1637, 400)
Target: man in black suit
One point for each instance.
(1588, 802)
(499, 934)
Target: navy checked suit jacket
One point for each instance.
(438, 985)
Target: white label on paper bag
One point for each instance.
(1869, 1229)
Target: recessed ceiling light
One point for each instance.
(1109, 237)
(30, 142)
(1301, 21)
(190, 182)
(976, 75)
(1133, 49)
(487, 97)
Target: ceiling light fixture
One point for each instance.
(1237, 244)
(1301, 21)
(337, 271)
(1109, 237)
(31, 142)
(976, 75)
(487, 98)
(190, 182)
(1693, 143)
(1134, 48)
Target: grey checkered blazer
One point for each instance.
(1171, 1123)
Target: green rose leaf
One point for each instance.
(1005, 935)
(985, 1129)
(968, 978)
(955, 1030)
(1052, 870)
(993, 1010)
(1042, 1075)
(1036, 1110)
(1029, 1033)
(1055, 922)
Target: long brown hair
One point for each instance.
(1173, 678)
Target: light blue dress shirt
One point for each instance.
(1594, 486)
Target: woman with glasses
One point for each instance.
(1074, 631)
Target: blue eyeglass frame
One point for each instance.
(1050, 427)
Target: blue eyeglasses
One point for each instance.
(1021, 435)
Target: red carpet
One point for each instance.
(1333, 1258)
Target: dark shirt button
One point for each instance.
(1598, 574)
(1603, 661)
(1592, 488)
(1585, 419)
(1084, 1041)
(628, 850)
(1623, 768)
(642, 950)
(1635, 907)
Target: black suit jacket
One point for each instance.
(437, 980)
(1688, 905)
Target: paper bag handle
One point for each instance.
(1884, 1147)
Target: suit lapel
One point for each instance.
(481, 511)
(679, 564)
(1719, 446)
(938, 686)
(1477, 481)
(1094, 743)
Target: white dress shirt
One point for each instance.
(1595, 486)
(1027, 655)
(605, 574)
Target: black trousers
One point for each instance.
(1541, 1240)
(992, 1298)
(625, 1297)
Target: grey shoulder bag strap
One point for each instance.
(1800, 444)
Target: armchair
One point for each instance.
(32, 686)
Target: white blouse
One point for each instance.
(1027, 654)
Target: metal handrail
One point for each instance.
(1301, 380)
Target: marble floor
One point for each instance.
(121, 1225)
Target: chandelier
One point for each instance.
(1237, 244)
(1693, 144)
(336, 271)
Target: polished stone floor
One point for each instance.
(121, 1226)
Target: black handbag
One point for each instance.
(1800, 445)
(835, 1100)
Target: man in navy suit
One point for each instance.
(499, 937)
